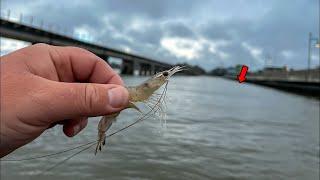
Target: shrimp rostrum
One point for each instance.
(145, 93)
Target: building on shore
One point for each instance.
(282, 73)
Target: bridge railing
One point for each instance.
(21, 19)
(41, 24)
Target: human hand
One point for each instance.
(42, 85)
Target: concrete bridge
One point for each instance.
(131, 63)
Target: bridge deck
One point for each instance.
(32, 34)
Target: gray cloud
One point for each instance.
(178, 29)
(272, 28)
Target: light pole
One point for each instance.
(311, 39)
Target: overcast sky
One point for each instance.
(209, 33)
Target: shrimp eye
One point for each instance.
(165, 73)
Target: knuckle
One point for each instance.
(78, 50)
(91, 98)
(41, 45)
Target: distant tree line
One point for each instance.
(222, 71)
(191, 70)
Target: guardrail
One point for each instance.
(47, 26)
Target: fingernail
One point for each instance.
(76, 129)
(117, 97)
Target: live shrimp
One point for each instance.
(145, 93)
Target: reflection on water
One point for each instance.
(216, 129)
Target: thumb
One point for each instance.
(70, 100)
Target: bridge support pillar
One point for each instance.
(144, 69)
(148, 69)
(136, 68)
(104, 57)
(127, 67)
(152, 69)
(157, 69)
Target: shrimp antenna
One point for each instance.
(159, 104)
(159, 101)
(140, 119)
(92, 142)
(154, 108)
(47, 155)
(66, 159)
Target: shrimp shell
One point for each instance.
(140, 93)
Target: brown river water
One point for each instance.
(216, 129)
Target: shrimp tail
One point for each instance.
(104, 124)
